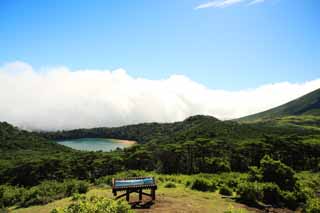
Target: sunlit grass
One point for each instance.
(179, 199)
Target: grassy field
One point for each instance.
(180, 193)
(179, 199)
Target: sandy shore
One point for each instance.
(126, 142)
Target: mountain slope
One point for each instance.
(13, 139)
(307, 105)
(198, 126)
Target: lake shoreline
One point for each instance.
(97, 144)
(127, 142)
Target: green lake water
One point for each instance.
(95, 144)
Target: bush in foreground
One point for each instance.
(49, 191)
(43, 193)
(277, 172)
(96, 205)
(225, 190)
(9, 195)
(250, 192)
(313, 206)
(271, 193)
(203, 184)
(170, 185)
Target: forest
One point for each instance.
(272, 158)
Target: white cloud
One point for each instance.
(218, 4)
(60, 98)
(256, 2)
(226, 3)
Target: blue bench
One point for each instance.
(134, 184)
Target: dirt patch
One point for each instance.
(193, 202)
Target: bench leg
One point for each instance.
(128, 196)
(153, 194)
(140, 194)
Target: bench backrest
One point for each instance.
(132, 182)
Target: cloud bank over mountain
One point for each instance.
(59, 98)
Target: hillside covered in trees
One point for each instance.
(198, 126)
(198, 144)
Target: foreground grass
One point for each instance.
(179, 193)
(183, 199)
(61, 203)
(179, 199)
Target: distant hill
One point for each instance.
(198, 126)
(307, 106)
(14, 139)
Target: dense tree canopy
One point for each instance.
(201, 145)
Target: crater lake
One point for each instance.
(96, 144)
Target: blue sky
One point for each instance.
(231, 47)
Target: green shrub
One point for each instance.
(216, 165)
(10, 195)
(44, 193)
(230, 179)
(30, 197)
(96, 205)
(277, 172)
(307, 186)
(313, 206)
(104, 180)
(268, 193)
(250, 192)
(75, 186)
(290, 199)
(4, 210)
(202, 184)
(49, 191)
(83, 187)
(225, 190)
(161, 179)
(271, 194)
(170, 185)
(188, 183)
(77, 196)
(254, 174)
(232, 183)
